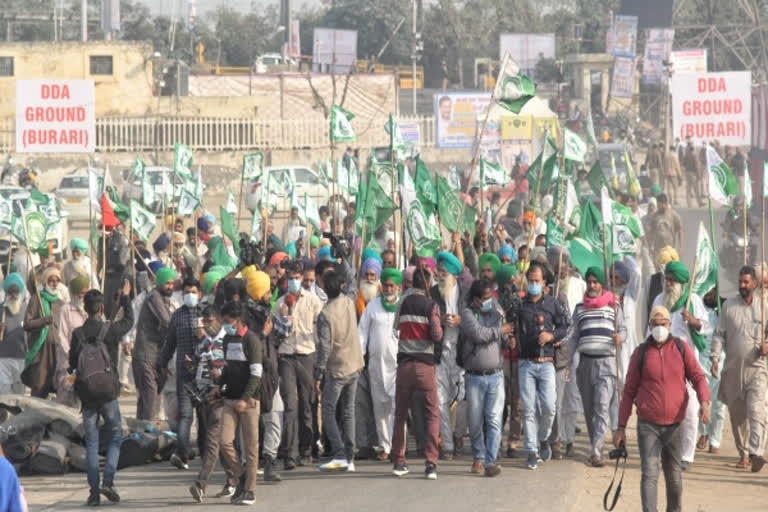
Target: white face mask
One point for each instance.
(660, 333)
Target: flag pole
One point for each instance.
(762, 257)
(103, 233)
(94, 250)
(474, 163)
(744, 221)
(133, 247)
(690, 282)
(240, 199)
(714, 249)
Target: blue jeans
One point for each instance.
(110, 412)
(537, 385)
(186, 416)
(344, 389)
(485, 399)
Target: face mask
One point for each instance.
(212, 331)
(190, 300)
(486, 306)
(534, 289)
(229, 329)
(660, 333)
(294, 285)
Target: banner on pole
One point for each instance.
(623, 78)
(658, 46)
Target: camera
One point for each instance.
(196, 396)
(618, 453)
(251, 253)
(340, 246)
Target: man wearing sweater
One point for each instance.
(339, 363)
(595, 337)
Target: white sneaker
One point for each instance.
(350, 467)
(335, 465)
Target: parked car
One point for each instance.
(57, 234)
(160, 178)
(264, 63)
(305, 179)
(72, 192)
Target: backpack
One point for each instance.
(96, 382)
(643, 348)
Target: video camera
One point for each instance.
(251, 252)
(340, 246)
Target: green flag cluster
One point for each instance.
(419, 217)
(450, 205)
(492, 173)
(513, 89)
(544, 167)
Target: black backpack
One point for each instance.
(643, 348)
(96, 382)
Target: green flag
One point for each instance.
(513, 89)
(229, 228)
(253, 166)
(449, 206)
(545, 166)
(219, 254)
(397, 144)
(122, 211)
(231, 203)
(182, 161)
(187, 203)
(299, 205)
(591, 227)
(426, 191)
(311, 213)
(256, 233)
(748, 190)
(454, 177)
(492, 173)
(574, 147)
(596, 178)
(341, 128)
(554, 233)
(377, 206)
(420, 223)
(583, 256)
(137, 172)
(142, 220)
(706, 263)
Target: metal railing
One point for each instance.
(114, 134)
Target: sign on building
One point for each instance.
(623, 38)
(689, 61)
(623, 78)
(334, 50)
(658, 45)
(456, 118)
(410, 131)
(712, 106)
(55, 116)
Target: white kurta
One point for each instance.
(633, 314)
(450, 378)
(380, 342)
(679, 329)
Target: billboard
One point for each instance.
(713, 106)
(658, 45)
(527, 49)
(623, 78)
(689, 61)
(410, 131)
(623, 40)
(55, 116)
(294, 39)
(333, 50)
(456, 118)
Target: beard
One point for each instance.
(14, 305)
(594, 293)
(369, 291)
(446, 285)
(672, 295)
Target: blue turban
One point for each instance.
(291, 250)
(210, 219)
(508, 252)
(371, 253)
(371, 264)
(14, 279)
(154, 266)
(621, 271)
(324, 253)
(449, 262)
(202, 225)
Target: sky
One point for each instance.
(164, 6)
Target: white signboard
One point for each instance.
(713, 106)
(334, 50)
(658, 44)
(689, 61)
(624, 37)
(623, 78)
(527, 49)
(55, 116)
(410, 131)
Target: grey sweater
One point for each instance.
(481, 340)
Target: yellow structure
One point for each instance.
(121, 71)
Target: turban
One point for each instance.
(553, 255)
(155, 266)
(79, 284)
(203, 225)
(449, 262)
(655, 190)
(537, 253)
(276, 242)
(179, 238)
(161, 243)
(371, 253)
(164, 275)
(291, 250)
(325, 243)
(529, 216)
(505, 273)
(314, 241)
(653, 202)
(324, 253)
(408, 273)
(677, 271)
(258, 285)
(370, 264)
(491, 260)
(621, 271)
(277, 258)
(211, 278)
(508, 251)
(78, 244)
(596, 272)
(392, 274)
(429, 263)
(51, 272)
(666, 255)
(210, 219)
(246, 272)
(14, 278)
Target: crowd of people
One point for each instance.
(321, 348)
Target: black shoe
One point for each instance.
(305, 460)
(94, 500)
(569, 451)
(197, 492)
(289, 464)
(270, 470)
(757, 463)
(239, 491)
(400, 470)
(430, 472)
(110, 492)
(247, 499)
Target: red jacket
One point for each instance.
(659, 391)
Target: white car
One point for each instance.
(58, 234)
(305, 179)
(160, 178)
(73, 195)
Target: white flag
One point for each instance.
(95, 188)
(231, 204)
(575, 147)
(722, 183)
(606, 206)
(311, 213)
(142, 220)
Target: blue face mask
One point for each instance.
(294, 285)
(534, 289)
(486, 306)
(229, 329)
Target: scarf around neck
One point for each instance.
(46, 299)
(390, 308)
(698, 340)
(606, 299)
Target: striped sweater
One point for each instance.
(593, 331)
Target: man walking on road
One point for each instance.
(666, 227)
(738, 341)
(656, 382)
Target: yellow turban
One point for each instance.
(666, 255)
(258, 285)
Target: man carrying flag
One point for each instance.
(690, 323)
